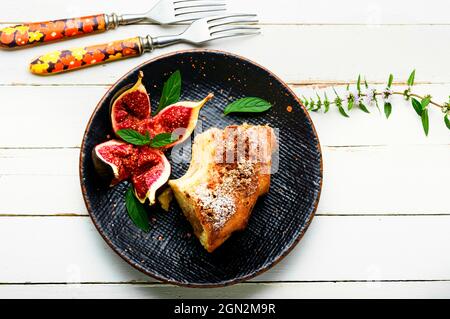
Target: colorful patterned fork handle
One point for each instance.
(72, 59)
(30, 34)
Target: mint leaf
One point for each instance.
(387, 109)
(425, 121)
(363, 108)
(425, 101)
(417, 106)
(341, 110)
(411, 78)
(447, 121)
(350, 105)
(171, 91)
(136, 211)
(248, 105)
(358, 83)
(326, 103)
(133, 137)
(391, 79)
(162, 139)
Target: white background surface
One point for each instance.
(382, 228)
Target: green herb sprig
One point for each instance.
(171, 91)
(136, 211)
(136, 138)
(247, 105)
(364, 99)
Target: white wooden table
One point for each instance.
(382, 228)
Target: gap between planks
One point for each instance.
(330, 147)
(161, 284)
(303, 24)
(321, 84)
(326, 214)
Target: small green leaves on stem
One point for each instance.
(305, 101)
(338, 102)
(312, 105)
(387, 109)
(364, 100)
(410, 81)
(363, 108)
(136, 138)
(425, 121)
(326, 103)
(425, 101)
(417, 106)
(350, 103)
(136, 211)
(447, 121)
(391, 79)
(248, 105)
(319, 104)
(171, 91)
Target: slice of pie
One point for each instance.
(229, 170)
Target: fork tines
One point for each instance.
(197, 8)
(228, 25)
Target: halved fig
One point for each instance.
(148, 168)
(113, 160)
(179, 118)
(131, 107)
(152, 171)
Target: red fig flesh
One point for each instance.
(113, 160)
(131, 110)
(148, 168)
(131, 107)
(179, 118)
(151, 172)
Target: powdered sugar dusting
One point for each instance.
(217, 207)
(219, 204)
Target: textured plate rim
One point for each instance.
(174, 282)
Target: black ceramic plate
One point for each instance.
(169, 252)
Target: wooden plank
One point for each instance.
(305, 290)
(403, 126)
(355, 181)
(69, 249)
(282, 11)
(46, 116)
(52, 116)
(309, 54)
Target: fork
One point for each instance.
(199, 32)
(163, 12)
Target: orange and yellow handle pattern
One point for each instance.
(66, 60)
(42, 32)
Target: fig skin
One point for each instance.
(131, 107)
(108, 171)
(180, 117)
(116, 161)
(163, 168)
(168, 120)
(135, 162)
(103, 170)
